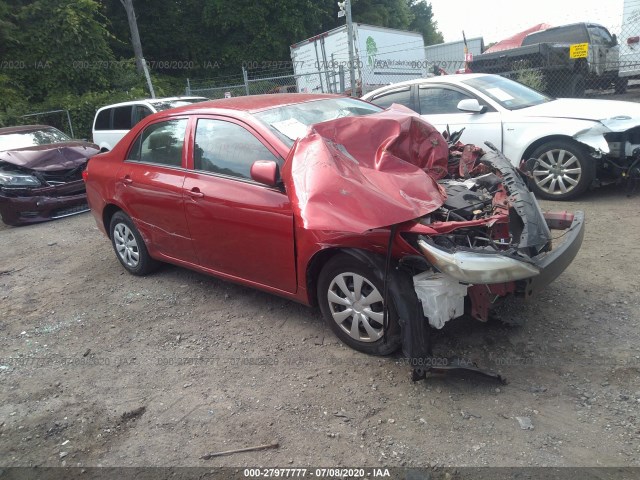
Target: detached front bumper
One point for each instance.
(492, 267)
(553, 263)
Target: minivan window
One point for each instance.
(103, 120)
(122, 118)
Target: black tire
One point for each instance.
(129, 246)
(572, 177)
(620, 85)
(577, 86)
(347, 268)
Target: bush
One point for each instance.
(531, 77)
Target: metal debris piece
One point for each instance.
(209, 456)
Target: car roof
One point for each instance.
(453, 79)
(151, 101)
(23, 128)
(255, 103)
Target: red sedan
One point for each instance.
(330, 201)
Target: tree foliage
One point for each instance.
(77, 53)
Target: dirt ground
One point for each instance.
(101, 368)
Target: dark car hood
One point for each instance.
(354, 174)
(52, 157)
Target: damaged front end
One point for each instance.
(38, 185)
(461, 228)
(615, 144)
(488, 240)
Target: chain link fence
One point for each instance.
(332, 76)
(590, 61)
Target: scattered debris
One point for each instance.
(9, 272)
(343, 415)
(88, 351)
(525, 423)
(468, 415)
(133, 414)
(209, 456)
(63, 454)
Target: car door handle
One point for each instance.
(127, 180)
(195, 193)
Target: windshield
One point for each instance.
(511, 95)
(30, 138)
(290, 122)
(180, 102)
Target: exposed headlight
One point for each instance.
(8, 179)
(478, 268)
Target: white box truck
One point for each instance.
(630, 39)
(381, 56)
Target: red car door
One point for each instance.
(239, 227)
(149, 185)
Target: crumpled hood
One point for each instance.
(608, 112)
(354, 174)
(53, 157)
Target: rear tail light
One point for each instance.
(85, 174)
(632, 40)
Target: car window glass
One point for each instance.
(160, 143)
(435, 101)
(227, 148)
(599, 36)
(122, 118)
(103, 120)
(140, 112)
(403, 97)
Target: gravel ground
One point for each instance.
(101, 368)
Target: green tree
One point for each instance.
(382, 13)
(62, 46)
(423, 22)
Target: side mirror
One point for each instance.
(471, 105)
(265, 171)
(614, 40)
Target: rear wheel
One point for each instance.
(620, 85)
(577, 85)
(129, 246)
(563, 170)
(350, 298)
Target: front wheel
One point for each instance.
(563, 170)
(129, 245)
(350, 298)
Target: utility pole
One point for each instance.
(141, 64)
(345, 9)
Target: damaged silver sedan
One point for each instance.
(568, 145)
(41, 174)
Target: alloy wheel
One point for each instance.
(557, 171)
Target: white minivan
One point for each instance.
(112, 122)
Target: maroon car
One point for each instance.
(41, 174)
(330, 201)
